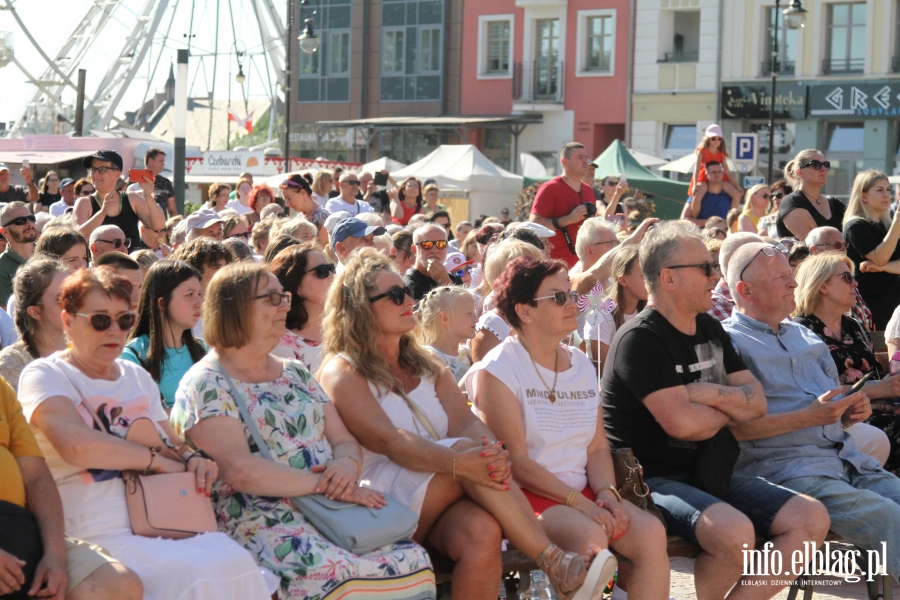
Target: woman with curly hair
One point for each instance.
(407, 202)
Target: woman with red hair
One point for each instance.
(260, 196)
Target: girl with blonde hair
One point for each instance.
(806, 207)
(446, 322)
(756, 205)
(871, 235)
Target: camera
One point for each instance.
(591, 208)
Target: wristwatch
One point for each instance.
(556, 224)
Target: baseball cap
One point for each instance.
(714, 130)
(201, 219)
(537, 228)
(456, 261)
(335, 218)
(66, 181)
(3, 167)
(104, 155)
(353, 228)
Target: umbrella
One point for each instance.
(646, 160)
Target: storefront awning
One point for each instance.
(42, 157)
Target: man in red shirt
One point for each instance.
(560, 203)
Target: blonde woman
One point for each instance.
(424, 446)
(492, 328)
(298, 227)
(806, 207)
(321, 186)
(446, 323)
(756, 205)
(768, 224)
(871, 236)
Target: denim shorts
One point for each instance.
(681, 503)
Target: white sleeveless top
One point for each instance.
(494, 323)
(557, 434)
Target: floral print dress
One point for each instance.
(289, 415)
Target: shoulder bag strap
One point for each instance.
(242, 408)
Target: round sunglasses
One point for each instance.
(103, 321)
(117, 243)
(396, 293)
(560, 297)
(323, 271)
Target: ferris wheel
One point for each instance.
(149, 31)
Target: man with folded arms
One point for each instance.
(802, 442)
(672, 385)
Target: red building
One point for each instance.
(565, 60)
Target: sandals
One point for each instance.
(569, 577)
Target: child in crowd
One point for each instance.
(711, 148)
(446, 322)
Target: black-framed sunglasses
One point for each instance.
(769, 250)
(847, 276)
(351, 181)
(103, 321)
(777, 195)
(428, 245)
(818, 165)
(117, 243)
(276, 298)
(839, 246)
(19, 221)
(323, 271)
(560, 297)
(706, 267)
(396, 293)
(612, 183)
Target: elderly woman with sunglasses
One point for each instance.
(298, 195)
(305, 272)
(425, 447)
(541, 397)
(244, 314)
(872, 234)
(59, 393)
(806, 207)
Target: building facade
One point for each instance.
(838, 84)
(564, 60)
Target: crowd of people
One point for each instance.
(484, 376)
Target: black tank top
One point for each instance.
(126, 220)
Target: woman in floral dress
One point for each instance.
(313, 451)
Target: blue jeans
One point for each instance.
(864, 508)
(681, 503)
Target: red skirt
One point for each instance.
(539, 503)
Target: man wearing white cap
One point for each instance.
(17, 193)
(204, 223)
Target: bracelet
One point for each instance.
(556, 224)
(454, 467)
(610, 487)
(358, 465)
(154, 450)
(570, 497)
(197, 453)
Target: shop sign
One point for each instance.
(866, 100)
(233, 163)
(754, 101)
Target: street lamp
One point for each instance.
(794, 18)
(240, 77)
(309, 43)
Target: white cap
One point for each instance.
(714, 130)
(536, 228)
(202, 219)
(335, 218)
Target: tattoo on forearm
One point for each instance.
(723, 391)
(748, 393)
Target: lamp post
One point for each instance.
(308, 43)
(794, 18)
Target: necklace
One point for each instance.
(552, 391)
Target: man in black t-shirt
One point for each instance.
(17, 193)
(163, 190)
(430, 246)
(672, 384)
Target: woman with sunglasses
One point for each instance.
(162, 341)
(244, 315)
(305, 272)
(298, 195)
(406, 201)
(236, 227)
(260, 196)
(806, 207)
(424, 446)
(767, 226)
(59, 393)
(541, 397)
(872, 234)
(756, 204)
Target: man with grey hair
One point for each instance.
(347, 199)
(596, 247)
(672, 386)
(561, 204)
(430, 247)
(802, 442)
(722, 302)
(829, 239)
(107, 238)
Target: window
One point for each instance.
(339, 53)
(498, 47)
(679, 32)
(325, 74)
(681, 138)
(846, 45)
(846, 137)
(392, 52)
(596, 43)
(309, 63)
(430, 50)
(787, 43)
(412, 49)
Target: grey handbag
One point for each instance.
(353, 527)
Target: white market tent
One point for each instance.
(464, 167)
(647, 160)
(686, 164)
(381, 164)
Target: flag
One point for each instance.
(245, 123)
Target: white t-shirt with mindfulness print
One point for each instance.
(557, 434)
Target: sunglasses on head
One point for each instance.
(19, 221)
(818, 165)
(276, 298)
(117, 243)
(439, 244)
(770, 250)
(466, 270)
(560, 297)
(103, 321)
(323, 271)
(397, 294)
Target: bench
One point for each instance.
(516, 562)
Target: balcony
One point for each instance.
(680, 57)
(843, 66)
(538, 82)
(785, 67)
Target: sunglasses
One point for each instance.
(245, 235)
(467, 270)
(439, 244)
(276, 298)
(103, 321)
(770, 250)
(777, 195)
(117, 243)
(715, 137)
(818, 165)
(611, 183)
(351, 182)
(835, 245)
(764, 196)
(560, 297)
(706, 267)
(847, 277)
(86, 191)
(396, 293)
(18, 222)
(323, 271)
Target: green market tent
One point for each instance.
(668, 196)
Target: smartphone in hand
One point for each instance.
(856, 386)
(138, 175)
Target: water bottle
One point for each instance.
(540, 588)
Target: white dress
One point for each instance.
(206, 567)
(493, 323)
